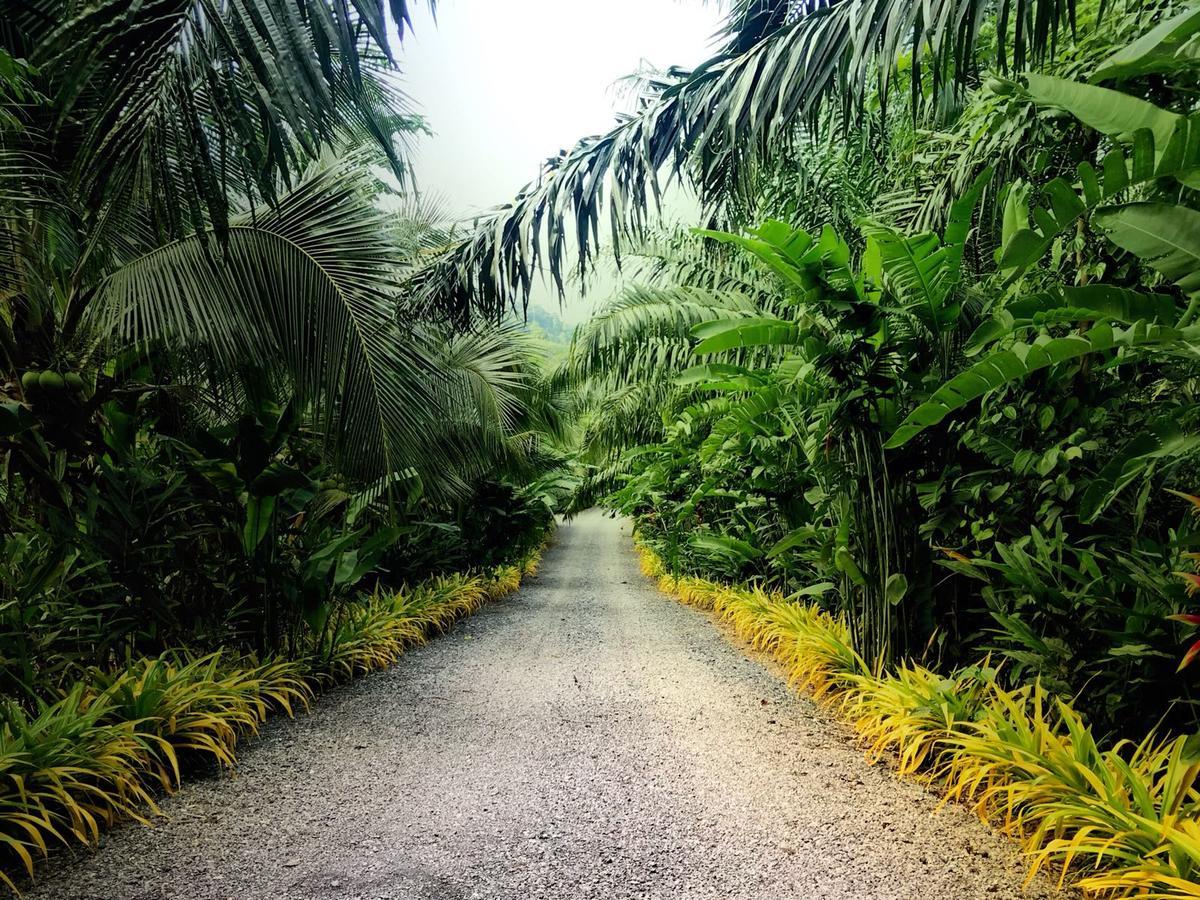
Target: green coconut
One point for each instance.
(51, 382)
(74, 381)
(29, 381)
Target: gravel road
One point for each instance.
(586, 737)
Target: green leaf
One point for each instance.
(819, 589)
(14, 418)
(1165, 48)
(1164, 439)
(1163, 236)
(1069, 305)
(1107, 111)
(725, 546)
(276, 478)
(796, 538)
(346, 568)
(923, 270)
(259, 515)
(895, 588)
(1017, 362)
(843, 561)
(731, 334)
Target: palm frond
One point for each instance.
(198, 100)
(645, 333)
(729, 112)
(308, 285)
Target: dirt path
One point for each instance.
(587, 737)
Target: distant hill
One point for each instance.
(548, 325)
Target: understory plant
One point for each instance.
(117, 740)
(1114, 819)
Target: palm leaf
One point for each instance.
(729, 112)
(194, 101)
(306, 286)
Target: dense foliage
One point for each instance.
(225, 425)
(926, 376)
(938, 372)
(230, 440)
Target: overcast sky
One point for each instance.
(504, 84)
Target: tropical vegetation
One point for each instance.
(238, 459)
(913, 405)
(933, 369)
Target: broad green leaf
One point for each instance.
(923, 270)
(731, 334)
(725, 546)
(1165, 237)
(781, 254)
(1019, 361)
(14, 418)
(895, 588)
(1107, 111)
(1016, 213)
(1088, 303)
(799, 536)
(259, 514)
(844, 561)
(1169, 46)
(1143, 160)
(276, 478)
(1164, 439)
(819, 589)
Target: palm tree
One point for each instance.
(783, 63)
(197, 177)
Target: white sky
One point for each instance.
(504, 84)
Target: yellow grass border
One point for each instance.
(99, 756)
(1119, 821)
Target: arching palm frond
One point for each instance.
(627, 416)
(645, 333)
(1000, 127)
(195, 101)
(309, 286)
(729, 112)
(496, 414)
(682, 257)
(489, 375)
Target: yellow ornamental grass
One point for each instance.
(1116, 822)
(375, 635)
(198, 705)
(66, 774)
(85, 763)
(912, 713)
(530, 564)
(696, 592)
(503, 581)
(651, 565)
(93, 759)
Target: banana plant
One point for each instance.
(1151, 147)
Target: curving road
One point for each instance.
(587, 737)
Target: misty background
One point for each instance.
(505, 85)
